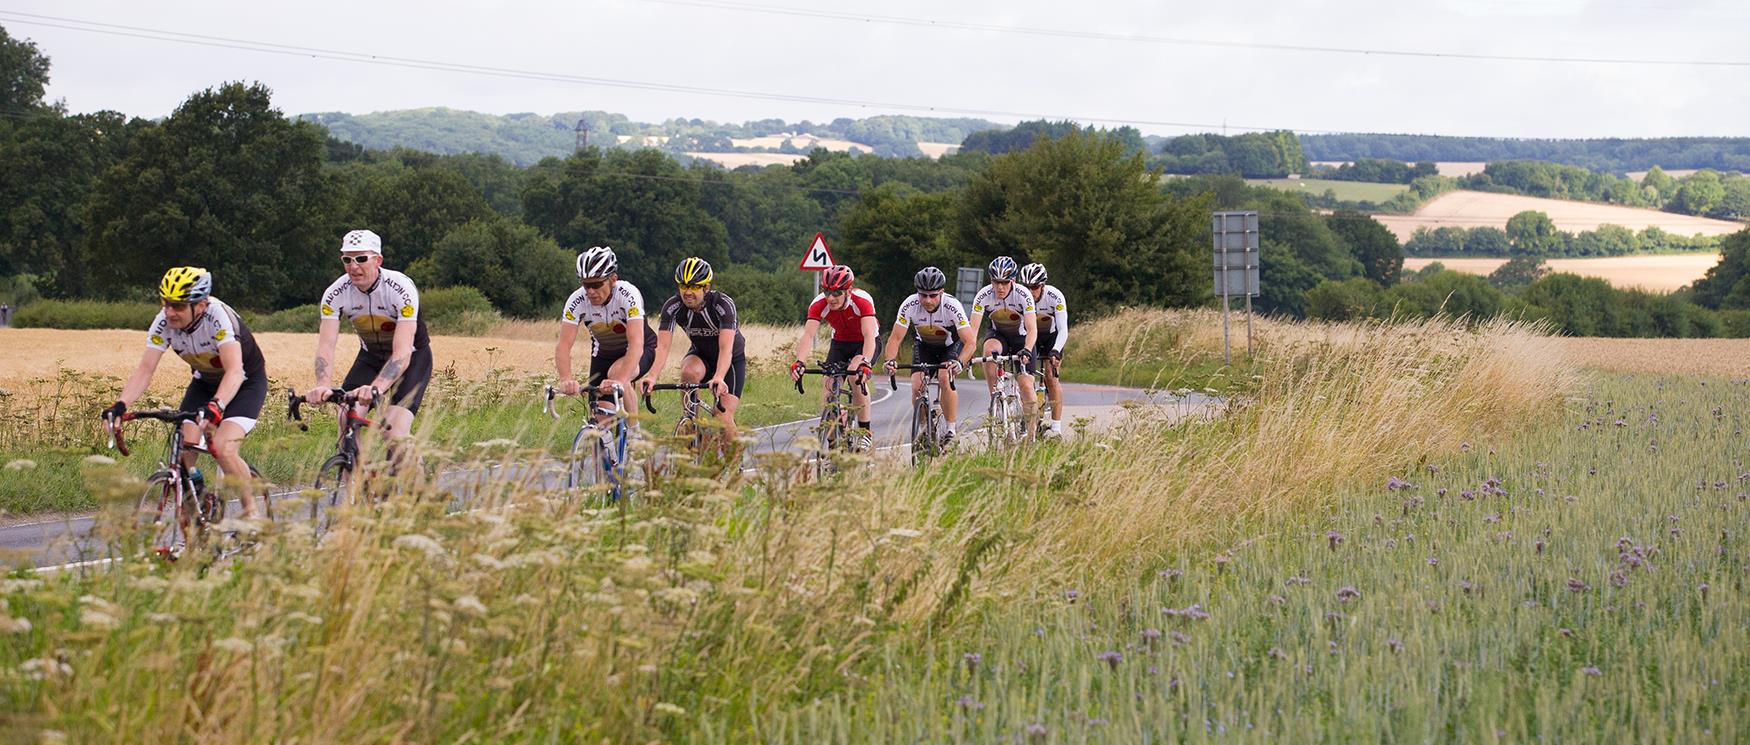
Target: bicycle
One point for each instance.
(171, 491)
(598, 453)
(1042, 397)
(1004, 422)
(836, 430)
(928, 425)
(689, 429)
(334, 478)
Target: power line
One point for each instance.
(138, 32)
(1180, 41)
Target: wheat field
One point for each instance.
(1474, 209)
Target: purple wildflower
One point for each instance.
(1334, 538)
(972, 659)
(1591, 671)
(1576, 584)
(1347, 593)
(1111, 658)
(969, 703)
(1394, 645)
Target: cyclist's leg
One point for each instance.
(1013, 344)
(991, 345)
(403, 404)
(224, 443)
(736, 380)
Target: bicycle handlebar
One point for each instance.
(927, 368)
(113, 425)
(295, 404)
(682, 387)
(613, 392)
(862, 384)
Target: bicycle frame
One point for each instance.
(926, 414)
(1004, 422)
(186, 505)
(610, 443)
(835, 414)
(335, 474)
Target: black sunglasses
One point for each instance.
(595, 285)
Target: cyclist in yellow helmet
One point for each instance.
(230, 375)
(718, 351)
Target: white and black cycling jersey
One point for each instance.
(703, 326)
(939, 327)
(375, 312)
(607, 324)
(198, 345)
(1006, 314)
(1053, 316)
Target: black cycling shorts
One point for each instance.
(1043, 347)
(931, 354)
(839, 354)
(408, 391)
(245, 405)
(736, 378)
(1013, 343)
(599, 364)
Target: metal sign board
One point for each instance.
(1236, 254)
(967, 282)
(818, 258)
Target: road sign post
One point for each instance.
(817, 259)
(967, 280)
(1236, 269)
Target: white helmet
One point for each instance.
(597, 263)
(362, 240)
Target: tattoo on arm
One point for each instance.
(321, 371)
(391, 370)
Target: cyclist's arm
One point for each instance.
(664, 337)
(635, 330)
(562, 353)
(967, 347)
(142, 377)
(977, 323)
(891, 353)
(327, 332)
(805, 344)
(1062, 328)
(1031, 321)
(231, 358)
(725, 354)
(871, 330)
(400, 353)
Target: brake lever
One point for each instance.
(548, 407)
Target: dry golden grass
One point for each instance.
(737, 160)
(1655, 273)
(1725, 358)
(1472, 209)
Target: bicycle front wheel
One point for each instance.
(589, 461)
(924, 441)
(160, 515)
(334, 485)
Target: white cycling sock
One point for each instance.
(1056, 425)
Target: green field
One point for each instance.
(1348, 191)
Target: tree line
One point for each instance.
(1532, 233)
(1604, 155)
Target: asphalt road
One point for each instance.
(66, 540)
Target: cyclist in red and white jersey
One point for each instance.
(851, 313)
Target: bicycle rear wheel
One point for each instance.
(334, 487)
(830, 435)
(160, 516)
(925, 438)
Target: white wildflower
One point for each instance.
(471, 604)
(638, 564)
(23, 464)
(10, 625)
(99, 460)
(156, 617)
(233, 644)
(665, 707)
(302, 617)
(97, 619)
(904, 533)
(420, 542)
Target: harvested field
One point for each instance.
(1654, 273)
(1472, 209)
(805, 142)
(1725, 358)
(1453, 168)
(1352, 191)
(737, 160)
(938, 149)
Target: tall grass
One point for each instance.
(714, 607)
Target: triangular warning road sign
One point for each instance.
(818, 258)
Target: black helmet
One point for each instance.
(930, 278)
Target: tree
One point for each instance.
(1727, 284)
(1371, 243)
(24, 73)
(414, 209)
(1094, 217)
(228, 183)
(1533, 233)
(48, 166)
(1662, 186)
(1519, 271)
(892, 232)
(1351, 299)
(523, 273)
(1698, 194)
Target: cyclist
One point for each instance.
(1013, 323)
(230, 376)
(718, 352)
(622, 346)
(394, 346)
(1053, 321)
(851, 313)
(941, 334)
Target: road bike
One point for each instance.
(334, 478)
(599, 451)
(691, 431)
(1041, 425)
(177, 511)
(1005, 421)
(929, 427)
(836, 430)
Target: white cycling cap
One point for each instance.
(362, 240)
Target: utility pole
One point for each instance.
(582, 134)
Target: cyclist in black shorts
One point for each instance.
(718, 352)
(394, 347)
(621, 344)
(230, 375)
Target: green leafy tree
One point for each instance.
(523, 273)
(1698, 194)
(24, 73)
(1447, 293)
(228, 183)
(1727, 284)
(1351, 299)
(891, 233)
(415, 208)
(1519, 271)
(1533, 233)
(1658, 185)
(1094, 217)
(48, 166)
(1371, 243)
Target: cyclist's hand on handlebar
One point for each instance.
(863, 371)
(718, 387)
(891, 366)
(115, 412)
(214, 414)
(646, 386)
(364, 393)
(317, 395)
(796, 369)
(569, 387)
(955, 367)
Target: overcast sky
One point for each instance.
(1077, 70)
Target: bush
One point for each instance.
(521, 272)
(1344, 300)
(85, 314)
(778, 298)
(301, 319)
(457, 311)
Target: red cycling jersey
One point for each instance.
(846, 322)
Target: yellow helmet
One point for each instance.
(185, 284)
(693, 271)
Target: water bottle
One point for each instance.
(197, 481)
